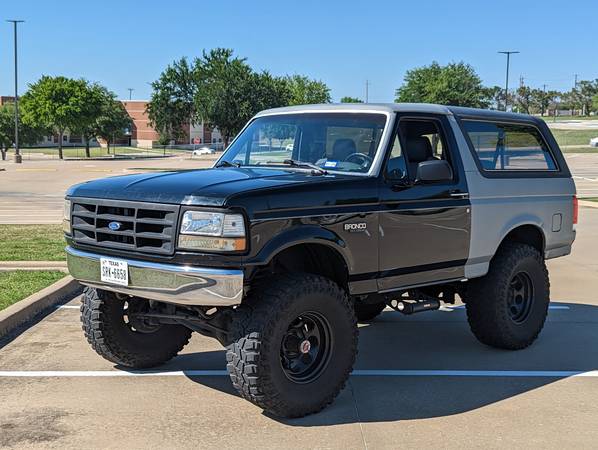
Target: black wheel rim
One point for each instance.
(521, 297)
(133, 310)
(306, 347)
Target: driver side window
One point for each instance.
(396, 168)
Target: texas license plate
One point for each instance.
(114, 271)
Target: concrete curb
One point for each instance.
(9, 266)
(27, 309)
(588, 204)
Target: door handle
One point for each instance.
(459, 194)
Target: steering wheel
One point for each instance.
(365, 159)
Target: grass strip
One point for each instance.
(17, 285)
(32, 243)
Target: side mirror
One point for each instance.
(433, 171)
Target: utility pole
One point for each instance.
(508, 53)
(130, 92)
(18, 157)
(575, 86)
(544, 102)
(367, 86)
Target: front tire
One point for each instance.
(295, 341)
(507, 308)
(123, 342)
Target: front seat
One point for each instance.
(419, 149)
(343, 148)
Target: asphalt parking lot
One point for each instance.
(34, 191)
(421, 381)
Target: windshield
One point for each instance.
(343, 142)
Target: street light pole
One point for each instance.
(18, 157)
(508, 53)
(130, 92)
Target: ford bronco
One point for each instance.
(313, 219)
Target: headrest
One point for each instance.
(343, 148)
(419, 149)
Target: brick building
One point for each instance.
(144, 135)
(141, 134)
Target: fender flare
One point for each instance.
(520, 221)
(303, 234)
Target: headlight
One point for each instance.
(202, 230)
(66, 217)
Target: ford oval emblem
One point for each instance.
(114, 226)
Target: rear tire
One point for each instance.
(507, 308)
(103, 316)
(294, 345)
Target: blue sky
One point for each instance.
(127, 43)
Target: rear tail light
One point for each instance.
(575, 209)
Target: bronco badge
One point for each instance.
(355, 227)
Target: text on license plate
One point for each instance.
(114, 271)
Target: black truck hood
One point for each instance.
(208, 187)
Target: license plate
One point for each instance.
(114, 271)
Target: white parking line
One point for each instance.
(358, 373)
(443, 308)
(551, 307)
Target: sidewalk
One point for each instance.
(588, 203)
(7, 266)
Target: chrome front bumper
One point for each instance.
(184, 285)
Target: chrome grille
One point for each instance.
(143, 227)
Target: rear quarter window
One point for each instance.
(509, 147)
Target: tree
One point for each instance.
(306, 92)
(6, 136)
(113, 120)
(56, 103)
(529, 101)
(96, 97)
(351, 100)
(29, 134)
(584, 92)
(595, 103)
(453, 84)
(495, 96)
(224, 97)
(545, 99)
(172, 103)
(267, 91)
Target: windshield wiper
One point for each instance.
(295, 163)
(225, 163)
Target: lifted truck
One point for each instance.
(315, 218)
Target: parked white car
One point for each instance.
(594, 142)
(203, 151)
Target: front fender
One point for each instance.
(304, 234)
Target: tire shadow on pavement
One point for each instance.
(569, 342)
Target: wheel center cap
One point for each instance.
(305, 346)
